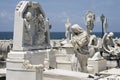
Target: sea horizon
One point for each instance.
(5, 35)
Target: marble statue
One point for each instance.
(107, 42)
(89, 20)
(105, 25)
(67, 33)
(93, 45)
(110, 47)
(28, 29)
(80, 43)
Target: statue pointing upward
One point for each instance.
(67, 34)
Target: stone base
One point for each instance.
(95, 66)
(17, 70)
(65, 65)
(60, 74)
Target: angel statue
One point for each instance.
(89, 19)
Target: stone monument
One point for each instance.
(30, 42)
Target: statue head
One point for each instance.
(90, 16)
(111, 34)
(76, 29)
(94, 39)
(28, 16)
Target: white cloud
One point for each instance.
(3, 14)
(6, 15)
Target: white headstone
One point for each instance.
(30, 28)
(30, 43)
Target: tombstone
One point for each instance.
(30, 43)
(30, 27)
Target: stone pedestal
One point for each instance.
(25, 65)
(63, 59)
(95, 66)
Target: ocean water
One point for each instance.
(53, 35)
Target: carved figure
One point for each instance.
(27, 29)
(110, 47)
(67, 33)
(105, 25)
(93, 45)
(40, 30)
(89, 19)
(80, 42)
(34, 29)
(108, 43)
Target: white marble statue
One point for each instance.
(40, 30)
(80, 42)
(105, 25)
(28, 29)
(107, 43)
(67, 33)
(89, 20)
(110, 47)
(93, 45)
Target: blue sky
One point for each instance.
(59, 10)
